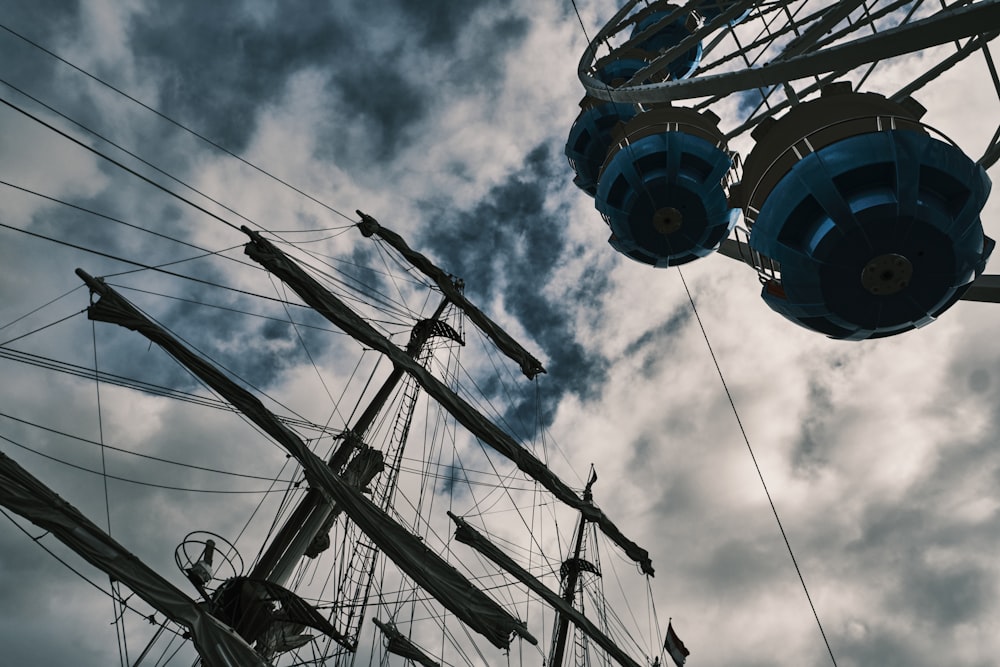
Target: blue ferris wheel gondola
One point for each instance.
(622, 65)
(667, 36)
(662, 191)
(709, 10)
(875, 234)
(590, 138)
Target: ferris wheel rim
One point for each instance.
(924, 33)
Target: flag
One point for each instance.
(675, 647)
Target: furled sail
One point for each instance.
(425, 567)
(403, 647)
(529, 365)
(466, 534)
(265, 253)
(21, 492)
(269, 614)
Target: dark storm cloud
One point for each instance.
(42, 22)
(454, 481)
(817, 432)
(886, 649)
(88, 231)
(944, 596)
(218, 64)
(438, 22)
(388, 110)
(652, 344)
(255, 349)
(359, 270)
(510, 244)
(944, 591)
(739, 569)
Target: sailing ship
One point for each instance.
(436, 553)
(402, 498)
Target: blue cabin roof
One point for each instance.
(590, 138)
(666, 37)
(710, 9)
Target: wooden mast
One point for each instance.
(306, 521)
(571, 575)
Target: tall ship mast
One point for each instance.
(361, 516)
(258, 427)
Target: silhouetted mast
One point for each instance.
(571, 575)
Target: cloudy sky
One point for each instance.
(446, 121)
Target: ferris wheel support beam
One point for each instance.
(815, 31)
(980, 42)
(830, 37)
(985, 289)
(975, 44)
(783, 104)
(943, 27)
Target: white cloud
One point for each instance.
(878, 455)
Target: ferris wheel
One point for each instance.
(788, 135)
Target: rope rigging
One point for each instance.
(368, 289)
(106, 475)
(115, 586)
(760, 474)
(172, 121)
(150, 457)
(396, 305)
(80, 575)
(694, 310)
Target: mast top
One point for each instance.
(452, 288)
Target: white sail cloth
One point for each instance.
(426, 568)
(218, 644)
(265, 253)
(529, 365)
(402, 646)
(466, 534)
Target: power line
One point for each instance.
(67, 368)
(144, 456)
(130, 153)
(143, 265)
(132, 226)
(118, 164)
(35, 310)
(34, 331)
(37, 540)
(176, 123)
(760, 474)
(131, 481)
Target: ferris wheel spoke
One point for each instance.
(992, 154)
(860, 220)
(663, 61)
(985, 289)
(935, 30)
